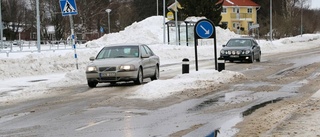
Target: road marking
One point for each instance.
(90, 125)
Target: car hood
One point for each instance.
(114, 61)
(236, 48)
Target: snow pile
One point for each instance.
(194, 80)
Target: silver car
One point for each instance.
(128, 62)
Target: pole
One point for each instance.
(108, 22)
(38, 26)
(271, 20)
(157, 7)
(1, 29)
(164, 21)
(176, 21)
(108, 11)
(73, 40)
(301, 20)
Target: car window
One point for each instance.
(143, 51)
(149, 51)
(239, 43)
(119, 52)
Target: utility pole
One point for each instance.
(164, 21)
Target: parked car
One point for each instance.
(125, 62)
(241, 49)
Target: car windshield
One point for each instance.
(119, 52)
(239, 43)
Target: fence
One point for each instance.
(31, 46)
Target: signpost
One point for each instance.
(204, 29)
(69, 8)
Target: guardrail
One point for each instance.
(8, 47)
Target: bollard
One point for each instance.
(185, 65)
(221, 64)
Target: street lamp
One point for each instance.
(108, 11)
(271, 20)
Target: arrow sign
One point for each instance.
(204, 29)
(207, 32)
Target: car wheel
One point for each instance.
(259, 59)
(251, 59)
(231, 61)
(156, 74)
(113, 83)
(92, 84)
(139, 79)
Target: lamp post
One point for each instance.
(301, 19)
(271, 20)
(108, 11)
(157, 7)
(1, 29)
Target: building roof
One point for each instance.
(239, 3)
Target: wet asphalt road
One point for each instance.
(80, 111)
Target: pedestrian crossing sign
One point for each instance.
(68, 7)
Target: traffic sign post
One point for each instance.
(69, 8)
(204, 29)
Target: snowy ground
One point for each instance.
(56, 68)
(34, 72)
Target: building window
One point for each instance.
(224, 10)
(235, 10)
(224, 25)
(249, 10)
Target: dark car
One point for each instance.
(123, 62)
(241, 49)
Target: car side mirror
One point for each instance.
(91, 58)
(223, 45)
(145, 56)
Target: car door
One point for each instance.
(154, 60)
(256, 49)
(146, 64)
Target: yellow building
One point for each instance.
(240, 15)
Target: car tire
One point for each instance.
(251, 59)
(139, 78)
(259, 59)
(156, 74)
(231, 61)
(92, 84)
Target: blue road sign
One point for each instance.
(68, 7)
(204, 29)
(101, 30)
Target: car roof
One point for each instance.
(124, 44)
(244, 38)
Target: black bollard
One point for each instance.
(185, 66)
(221, 64)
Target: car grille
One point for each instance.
(107, 69)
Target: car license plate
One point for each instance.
(108, 74)
(234, 56)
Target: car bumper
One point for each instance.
(236, 57)
(112, 76)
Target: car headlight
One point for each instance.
(246, 52)
(91, 68)
(222, 52)
(127, 67)
(229, 52)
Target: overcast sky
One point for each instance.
(315, 4)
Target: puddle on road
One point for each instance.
(255, 107)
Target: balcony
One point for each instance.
(241, 16)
